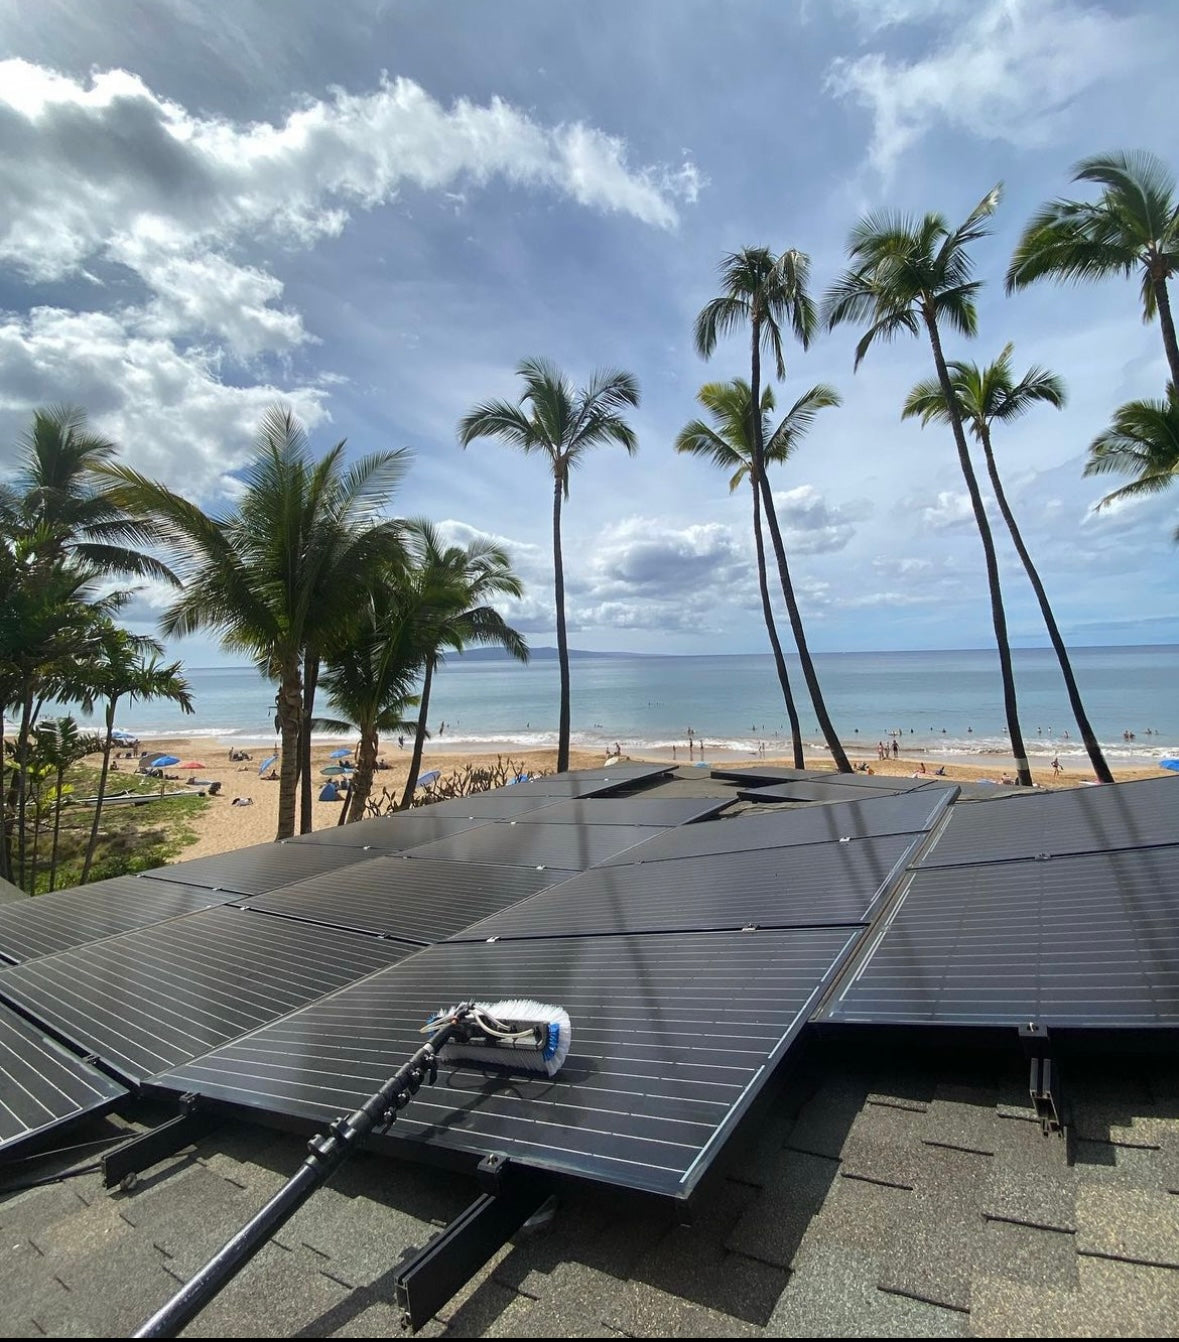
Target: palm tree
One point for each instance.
(1133, 225)
(130, 668)
(451, 588)
(1142, 441)
(285, 568)
(60, 744)
(982, 396)
(728, 443)
(907, 274)
(563, 424)
(767, 292)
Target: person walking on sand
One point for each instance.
(896, 750)
(1056, 767)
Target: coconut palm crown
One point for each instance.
(1142, 441)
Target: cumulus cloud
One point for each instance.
(811, 525)
(1003, 70)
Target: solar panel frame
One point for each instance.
(503, 804)
(568, 847)
(61, 919)
(808, 885)
(423, 901)
(44, 1086)
(389, 834)
(148, 999)
(821, 792)
(647, 1097)
(865, 818)
(650, 811)
(257, 869)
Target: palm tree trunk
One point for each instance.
(290, 717)
(102, 777)
(22, 781)
(563, 721)
(306, 782)
(1162, 300)
(1023, 770)
(1100, 767)
(772, 630)
(61, 768)
(362, 779)
(419, 738)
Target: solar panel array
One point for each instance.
(1061, 908)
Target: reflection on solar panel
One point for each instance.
(65, 918)
(652, 811)
(42, 1084)
(1088, 939)
(895, 787)
(420, 901)
(253, 871)
(804, 886)
(592, 782)
(1079, 820)
(778, 829)
(149, 999)
(389, 834)
(673, 1036)
(572, 847)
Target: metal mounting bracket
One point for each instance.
(1044, 1078)
(125, 1163)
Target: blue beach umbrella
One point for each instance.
(266, 763)
(163, 761)
(428, 778)
(339, 754)
(1169, 764)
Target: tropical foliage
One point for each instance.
(1142, 441)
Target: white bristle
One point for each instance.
(518, 1055)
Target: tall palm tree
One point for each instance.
(1132, 226)
(562, 424)
(1142, 441)
(984, 395)
(728, 443)
(907, 274)
(451, 588)
(768, 292)
(284, 568)
(62, 743)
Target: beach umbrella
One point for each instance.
(427, 778)
(165, 761)
(1169, 764)
(194, 764)
(266, 763)
(339, 754)
(337, 770)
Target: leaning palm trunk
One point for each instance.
(772, 630)
(21, 781)
(306, 781)
(1162, 300)
(998, 615)
(1100, 767)
(92, 844)
(61, 768)
(362, 778)
(290, 717)
(419, 739)
(563, 723)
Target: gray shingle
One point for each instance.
(1045, 1258)
(1131, 1223)
(1033, 1197)
(773, 1227)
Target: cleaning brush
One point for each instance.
(520, 1034)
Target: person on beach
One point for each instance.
(896, 750)
(1056, 767)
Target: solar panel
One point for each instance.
(1079, 820)
(65, 918)
(43, 1085)
(1090, 939)
(748, 831)
(253, 871)
(754, 775)
(572, 847)
(895, 787)
(389, 834)
(673, 1037)
(421, 901)
(149, 999)
(805, 886)
(592, 782)
(505, 804)
(654, 811)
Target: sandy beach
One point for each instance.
(223, 826)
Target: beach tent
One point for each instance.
(329, 791)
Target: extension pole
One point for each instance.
(328, 1151)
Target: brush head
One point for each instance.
(520, 1035)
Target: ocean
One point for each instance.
(939, 703)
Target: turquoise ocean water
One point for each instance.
(938, 702)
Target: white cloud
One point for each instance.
(811, 525)
(1007, 70)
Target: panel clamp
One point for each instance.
(1043, 1078)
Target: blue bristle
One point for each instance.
(552, 1039)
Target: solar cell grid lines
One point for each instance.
(802, 886)
(149, 999)
(254, 870)
(672, 1037)
(423, 900)
(1076, 820)
(42, 1084)
(64, 918)
(753, 830)
(389, 834)
(570, 847)
(1086, 939)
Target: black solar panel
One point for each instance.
(65, 918)
(42, 1084)
(748, 831)
(804, 886)
(253, 871)
(421, 901)
(389, 834)
(1090, 939)
(504, 804)
(673, 1036)
(571, 847)
(149, 999)
(754, 775)
(653, 811)
(1079, 820)
(592, 782)
(824, 791)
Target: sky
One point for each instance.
(374, 210)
